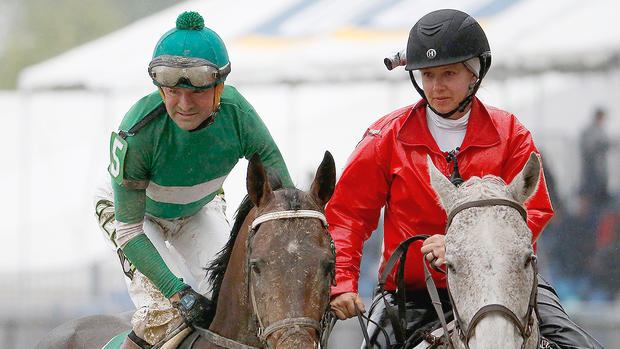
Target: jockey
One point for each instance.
(452, 126)
(163, 207)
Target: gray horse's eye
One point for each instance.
(449, 264)
(528, 259)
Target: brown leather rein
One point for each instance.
(292, 325)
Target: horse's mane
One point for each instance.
(217, 267)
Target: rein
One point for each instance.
(399, 325)
(292, 325)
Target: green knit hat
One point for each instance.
(191, 38)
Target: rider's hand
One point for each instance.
(435, 247)
(193, 307)
(343, 305)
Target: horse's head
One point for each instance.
(290, 257)
(489, 257)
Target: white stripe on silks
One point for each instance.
(183, 195)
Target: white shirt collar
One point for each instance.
(445, 124)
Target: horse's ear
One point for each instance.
(324, 181)
(442, 185)
(525, 183)
(259, 190)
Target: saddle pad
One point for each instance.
(172, 343)
(115, 343)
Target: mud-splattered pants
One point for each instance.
(186, 244)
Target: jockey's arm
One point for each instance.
(130, 209)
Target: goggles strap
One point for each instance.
(219, 88)
(161, 92)
(217, 94)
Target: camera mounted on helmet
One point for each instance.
(189, 55)
(445, 37)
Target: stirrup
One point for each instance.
(174, 338)
(137, 341)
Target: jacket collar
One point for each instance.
(481, 131)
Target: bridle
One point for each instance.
(524, 325)
(292, 325)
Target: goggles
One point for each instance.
(170, 71)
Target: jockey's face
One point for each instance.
(446, 86)
(188, 108)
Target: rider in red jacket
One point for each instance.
(464, 138)
(383, 165)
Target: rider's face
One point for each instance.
(188, 108)
(446, 86)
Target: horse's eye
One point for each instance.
(328, 267)
(449, 264)
(450, 267)
(528, 259)
(254, 266)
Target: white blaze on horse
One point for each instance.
(490, 260)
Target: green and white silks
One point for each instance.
(183, 170)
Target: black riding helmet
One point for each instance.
(445, 37)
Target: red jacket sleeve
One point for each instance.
(354, 210)
(539, 210)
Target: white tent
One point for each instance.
(313, 69)
(322, 40)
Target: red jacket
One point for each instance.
(388, 168)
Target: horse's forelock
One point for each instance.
(292, 199)
(476, 188)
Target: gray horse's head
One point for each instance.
(489, 255)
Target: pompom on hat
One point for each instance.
(190, 38)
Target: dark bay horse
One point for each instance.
(271, 281)
(273, 277)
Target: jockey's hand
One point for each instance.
(435, 248)
(193, 307)
(343, 305)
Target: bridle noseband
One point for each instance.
(524, 325)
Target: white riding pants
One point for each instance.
(187, 245)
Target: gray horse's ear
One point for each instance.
(324, 181)
(525, 183)
(257, 184)
(442, 185)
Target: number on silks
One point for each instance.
(118, 150)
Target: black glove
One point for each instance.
(196, 309)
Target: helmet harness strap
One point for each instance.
(463, 104)
(217, 93)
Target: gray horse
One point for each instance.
(490, 259)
